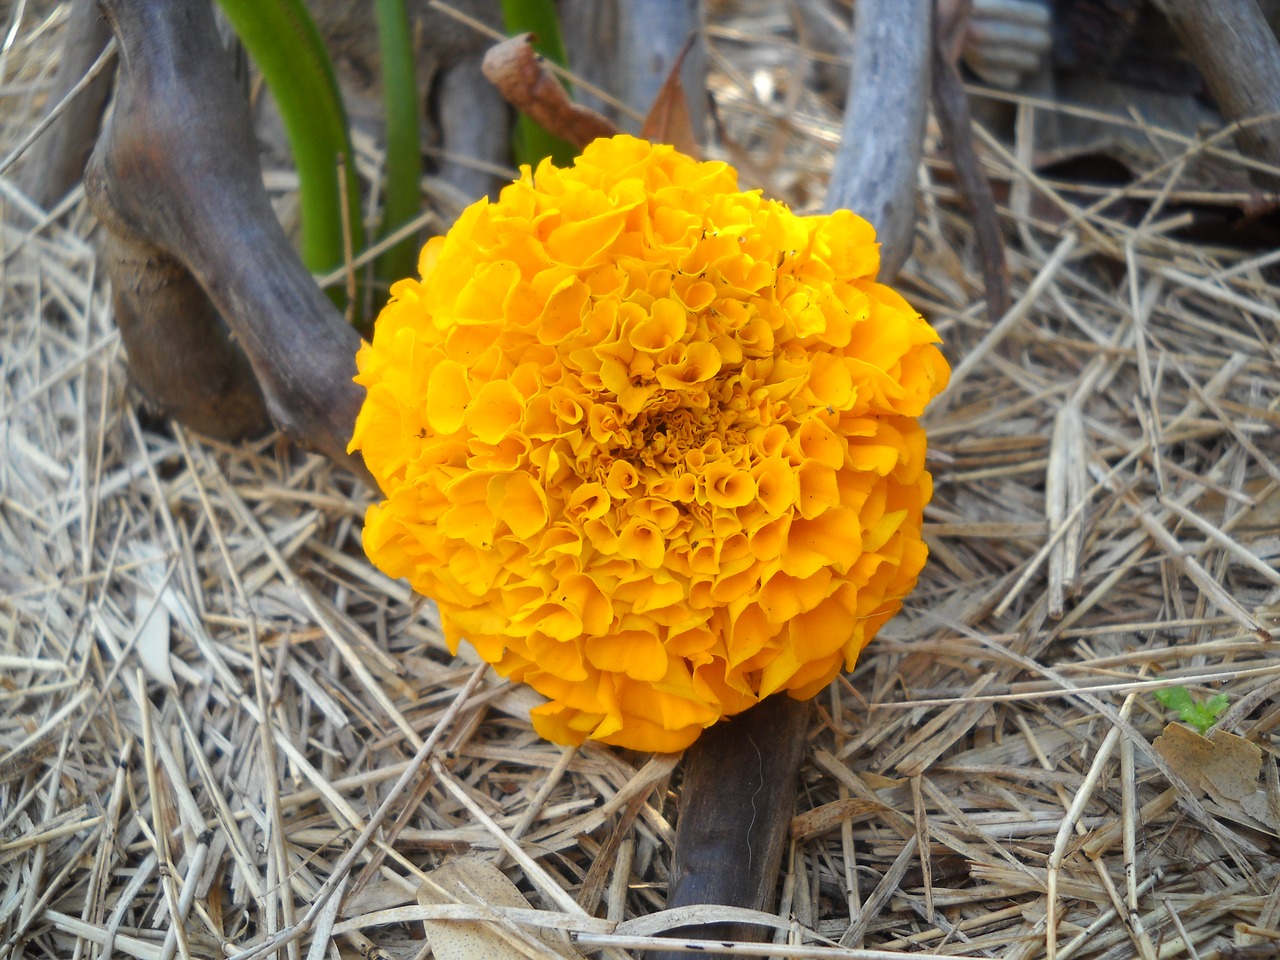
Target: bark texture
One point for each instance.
(175, 181)
(1235, 50)
(740, 784)
(880, 140)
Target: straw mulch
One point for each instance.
(207, 693)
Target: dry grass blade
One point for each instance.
(1108, 451)
(1064, 495)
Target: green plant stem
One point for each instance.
(539, 18)
(283, 41)
(402, 199)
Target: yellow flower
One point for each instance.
(650, 442)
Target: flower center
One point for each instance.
(663, 436)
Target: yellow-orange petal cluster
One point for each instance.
(650, 442)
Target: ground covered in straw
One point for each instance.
(207, 693)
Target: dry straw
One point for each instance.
(221, 731)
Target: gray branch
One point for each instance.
(1234, 48)
(875, 168)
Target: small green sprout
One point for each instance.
(1202, 716)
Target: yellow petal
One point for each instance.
(482, 297)
(784, 597)
(664, 326)
(700, 362)
(643, 542)
(564, 312)
(776, 485)
(496, 408)
(835, 537)
(819, 442)
(822, 631)
(819, 488)
(447, 397)
(557, 656)
(622, 479)
(637, 653)
(520, 503)
(585, 242)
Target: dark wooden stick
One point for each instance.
(1239, 57)
(176, 172)
(740, 783)
(951, 106)
(181, 354)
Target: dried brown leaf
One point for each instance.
(1223, 766)
(527, 84)
(668, 120)
(475, 881)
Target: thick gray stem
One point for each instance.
(1234, 48)
(177, 171)
(879, 155)
(56, 161)
(628, 46)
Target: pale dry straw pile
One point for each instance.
(207, 692)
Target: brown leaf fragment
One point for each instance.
(471, 880)
(668, 120)
(1222, 765)
(526, 83)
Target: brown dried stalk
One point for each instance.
(951, 107)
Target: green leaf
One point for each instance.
(1175, 698)
(538, 17)
(283, 41)
(403, 199)
(1202, 716)
(1217, 704)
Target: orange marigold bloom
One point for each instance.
(650, 442)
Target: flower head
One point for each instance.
(649, 442)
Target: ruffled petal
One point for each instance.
(649, 441)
